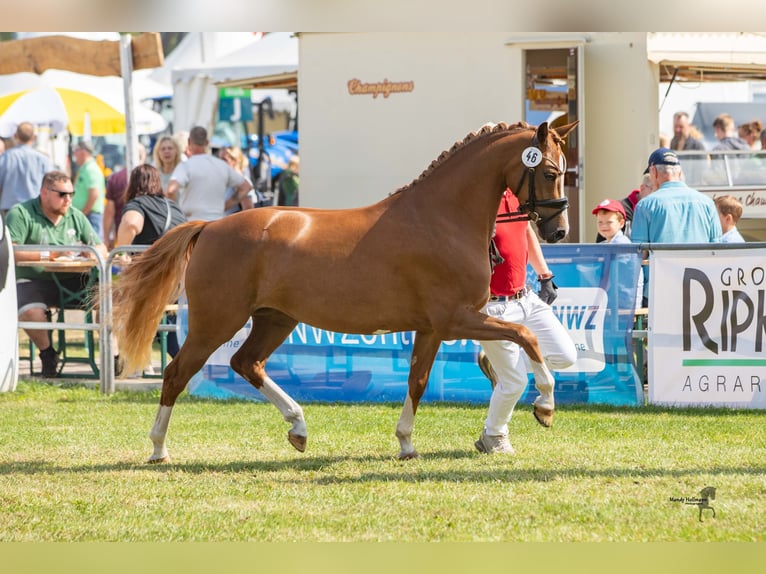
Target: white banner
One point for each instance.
(707, 328)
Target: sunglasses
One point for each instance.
(62, 194)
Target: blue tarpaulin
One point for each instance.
(596, 303)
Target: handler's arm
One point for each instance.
(536, 258)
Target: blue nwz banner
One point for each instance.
(596, 302)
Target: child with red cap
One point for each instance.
(610, 215)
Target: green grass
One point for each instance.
(72, 469)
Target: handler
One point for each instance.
(511, 300)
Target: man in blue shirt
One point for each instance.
(21, 169)
(674, 213)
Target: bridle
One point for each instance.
(528, 210)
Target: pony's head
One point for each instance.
(541, 187)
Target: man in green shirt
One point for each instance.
(89, 186)
(47, 219)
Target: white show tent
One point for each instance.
(711, 56)
(195, 89)
(197, 48)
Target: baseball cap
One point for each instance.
(663, 156)
(610, 205)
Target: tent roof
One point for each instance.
(714, 56)
(198, 47)
(275, 56)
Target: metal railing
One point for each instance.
(100, 325)
(103, 324)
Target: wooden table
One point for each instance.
(61, 265)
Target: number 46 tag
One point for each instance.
(531, 157)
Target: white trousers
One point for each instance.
(509, 360)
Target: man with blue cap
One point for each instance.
(675, 212)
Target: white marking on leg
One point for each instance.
(404, 429)
(159, 432)
(291, 410)
(544, 382)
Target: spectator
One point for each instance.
(723, 126)
(182, 140)
(147, 215)
(167, 155)
(89, 186)
(629, 203)
(21, 169)
(751, 132)
(289, 183)
(50, 214)
(2, 146)
(685, 137)
(674, 212)
(115, 199)
(610, 215)
(199, 184)
(763, 139)
(238, 161)
(729, 212)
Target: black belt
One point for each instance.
(520, 294)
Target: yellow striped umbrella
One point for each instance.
(65, 108)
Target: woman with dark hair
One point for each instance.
(147, 215)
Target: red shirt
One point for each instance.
(511, 241)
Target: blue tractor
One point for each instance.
(269, 154)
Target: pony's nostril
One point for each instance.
(557, 236)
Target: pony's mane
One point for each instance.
(486, 129)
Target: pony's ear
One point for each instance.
(542, 135)
(564, 131)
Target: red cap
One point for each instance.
(610, 205)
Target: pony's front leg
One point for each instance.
(291, 411)
(424, 352)
(158, 433)
(544, 403)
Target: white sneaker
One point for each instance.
(494, 444)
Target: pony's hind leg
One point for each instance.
(189, 360)
(423, 354)
(270, 328)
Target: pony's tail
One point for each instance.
(141, 292)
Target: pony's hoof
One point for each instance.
(298, 441)
(408, 455)
(160, 460)
(544, 416)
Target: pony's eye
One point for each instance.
(550, 176)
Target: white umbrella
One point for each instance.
(68, 101)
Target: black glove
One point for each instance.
(548, 290)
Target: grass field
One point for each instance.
(72, 469)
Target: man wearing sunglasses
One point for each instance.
(47, 219)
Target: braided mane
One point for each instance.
(446, 154)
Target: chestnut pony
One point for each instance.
(415, 261)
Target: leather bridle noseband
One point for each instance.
(527, 210)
